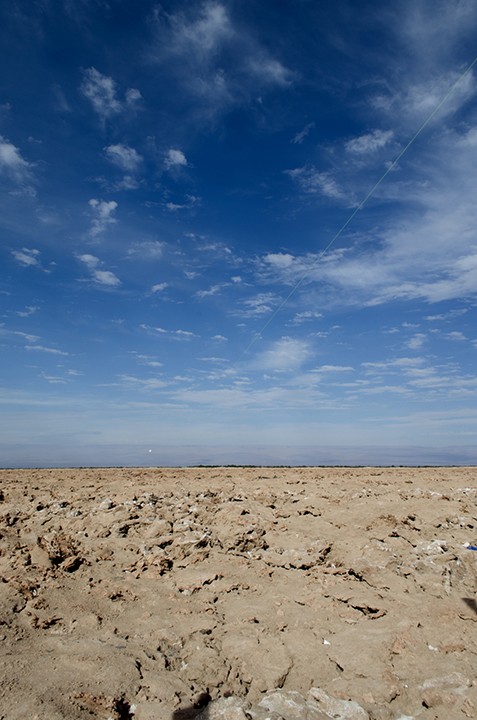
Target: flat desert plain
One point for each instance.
(165, 594)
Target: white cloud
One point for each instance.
(148, 360)
(203, 34)
(270, 71)
(261, 304)
(27, 336)
(173, 334)
(370, 142)
(424, 248)
(89, 260)
(28, 257)
(333, 369)
(314, 182)
(150, 328)
(456, 335)
(101, 277)
(142, 383)
(106, 277)
(213, 290)
(279, 260)
(124, 157)
(159, 287)
(12, 163)
(29, 310)
(103, 215)
(53, 379)
(432, 37)
(132, 95)
(284, 355)
(42, 348)
(191, 201)
(403, 362)
(102, 93)
(175, 158)
(306, 315)
(128, 182)
(16, 169)
(147, 250)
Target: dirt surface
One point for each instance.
(143, 593)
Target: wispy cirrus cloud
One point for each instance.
(46, 349)
(101, 91)
(369, 142)
(425, 247)
(432, 48)
(142, 383)
(258, 306)
(315, 182)
(217, 62)
(212, 290)
(173, 334)
(27, 257)
(27, 336)
(146, 250)
(189, 202)
(149, 360)
(300, 136)
(27, 311)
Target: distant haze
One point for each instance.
(139, 456)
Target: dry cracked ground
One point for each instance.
(298, 593)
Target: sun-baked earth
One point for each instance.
(142, 593)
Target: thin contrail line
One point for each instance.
(358, 208)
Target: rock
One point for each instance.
(284, 705)
(444, 690)
(338, 709)
(289, 706)
(106, 504)
(59, 547)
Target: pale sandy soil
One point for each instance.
(126, 593)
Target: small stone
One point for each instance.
(106, 504)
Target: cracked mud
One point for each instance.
(137, 593)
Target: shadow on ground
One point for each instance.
(472, 603)
(191, 711)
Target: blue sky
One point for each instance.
(170, 176)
